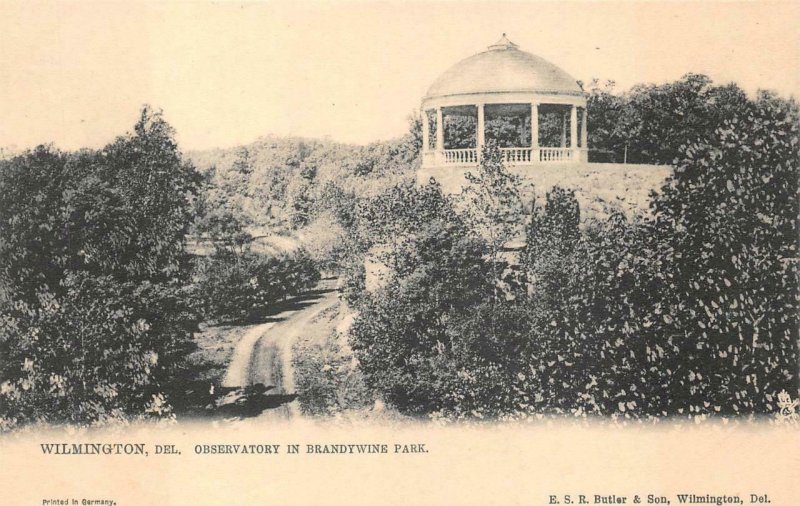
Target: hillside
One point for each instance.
(280, 183)
(598, 186)
(277, 185)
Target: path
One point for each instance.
(264, 354)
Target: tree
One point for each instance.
(460, 132)
(233, 286)
(608, 131)
(402, 335)
(491, 205)
(107, 225)
(551, 239)
(649, 123)
(300, 196)
(414, 136)
(391, 220)
(727, 231)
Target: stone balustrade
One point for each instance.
(459, 156)
(511, 156)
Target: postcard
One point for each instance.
(399, 253)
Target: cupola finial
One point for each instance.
(503, 44)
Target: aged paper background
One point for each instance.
(491, 465)
(496, 464)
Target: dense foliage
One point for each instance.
(94, 273)
(732, 260)
(649, 123)
(689, 311)
(286, 184)
(646, 124)
(403, 331)
(232, 286)
(235, 281)
(405, 336)
(507, 130)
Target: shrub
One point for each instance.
(325, 241)
(401, 334)
(692, 312)
(327, 379)
(727, 234)
(104, 350)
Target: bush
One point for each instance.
(692, 312)
(325, 241)
(327, 379)
(401, 335)
(104, 350)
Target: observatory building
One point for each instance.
(534, 111)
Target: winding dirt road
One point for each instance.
(264, 353)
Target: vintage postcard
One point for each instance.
(399, 253)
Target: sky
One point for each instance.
(225, 73)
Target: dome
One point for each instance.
(502, 69)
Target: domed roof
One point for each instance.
(503, 68)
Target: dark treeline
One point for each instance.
(646, 124)
(650, 123)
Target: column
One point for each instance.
(564, 130)
(481, 139)
(439, 130)
(534, 132)
(573, 129)
(426, 141)
(585, 134)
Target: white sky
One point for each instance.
(226, 73)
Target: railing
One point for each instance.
(460, 156)
(556, 154)
(516, 155)
(512, 156)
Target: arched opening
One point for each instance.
(508, 125)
